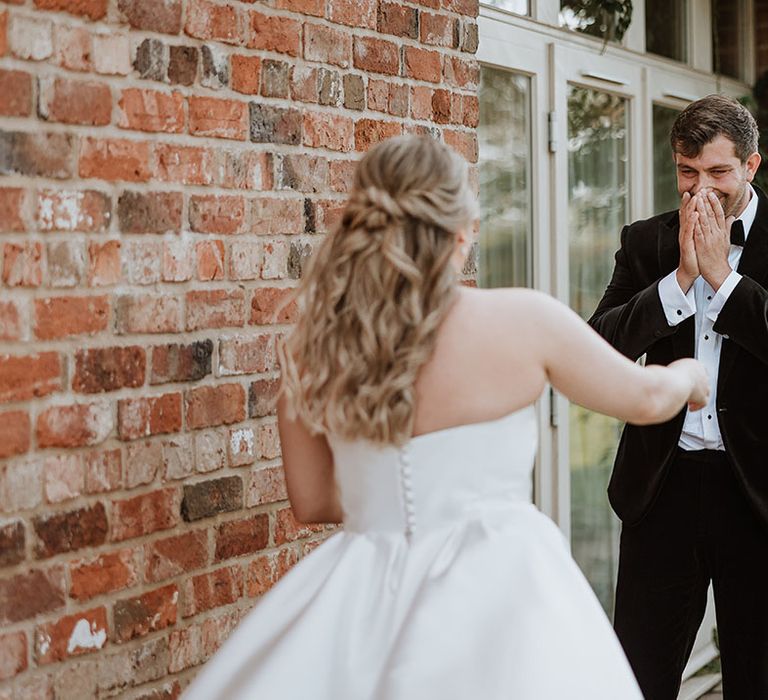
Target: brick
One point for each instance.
(304, 83)
(152, 60)
(145, 514)
(151, 110)
(354, 92)
(274, 33)
(246, 170)
(226, 119)
(142, 261)
(104, 263)
(245, 260)
(64, 317)
(303, 173)
(269, 124)
(245, 74)
(132, 667)
(207, 20)
(107, 573)
(210, 450)
(371, 131)
(14, 433)
(217, 308)
(270, 216)
(462, 7)
(265, 571)
(331, 131)
(88, 211)
(111, 54)
(321, 216)
(327, 45)
(108, 369)
(376, 55)
(4, 32)
(212, 590)
(93, 9)
(464, 142)
(170, 690)
(262, 397)
(103, 471)
(421, 64)
(178, 458)
(209, 406)
(23, 264)
(246, 355)
(241, 446)
(69, 531)
(25, 377)
(275, 262)
(73, 635)
(214, 71)
(13, 654)
(469, 38)
(148, 313)
(189, 165)
(175, 555)
(397, 19)
(36, 154)
(163, 16)
(64, 477)
(32, 593)
(342, 174)
(149, 612)
(12, 551)
(20, 485)
(76, 680)
(72, 47)
(287, 529)
(143, 461)
(208, 498)
(275, 78)
(75, 102)
(181, 363)
(462, 73)
(150, 212)
(222, 214)
(268, 442)
(329, 87)
(439, 30)
(75, 425)
(30, 38)
(182, 65)
(315, 8)
(210, 260)
(13, 205)
(114, 159)
(273, 305)
(441, 106)
(265, 485)
(239, 538)
(353, 13)
(299, 255)
(15, 93)
(177, 261)
(146, 416)
(66, 263)
(194, 644)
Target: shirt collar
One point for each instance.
(748, 215)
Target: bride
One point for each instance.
(406, 413)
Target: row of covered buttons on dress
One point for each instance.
(407, 488)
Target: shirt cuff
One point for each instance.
(721, 296)
(677, 305)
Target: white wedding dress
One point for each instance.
(445, 583)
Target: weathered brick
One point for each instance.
(334, 132)
(193, 644)
(208, 406)
(146, 416)
(76, 425)
(275, 78)
(30, 38)
(241, 446)
(329, 87)
(21, 485)
(342, 173)
(265, 485)
(71, 530)
(114, 159)
(212, 590)
(217, 308)
(149, 612)
(170, 690)
(207, 20)
(462, 7)
(73, 635)
(143, 461)
(268, 441)
(270, 216)
(106, 573)
(32, 593)
(13, 209)
(12, 551)
(422, 64)
(75, 101)
(36, 154)
(152, 60)
(177, 261)
(269, 124)
(222, 214)
(144, 514)
(66, 263)
(354, 92)
(178, 458)
(73, 210)
(225, 119)
(163, 16)
(287, 529)
(189, 165)
(181, 363)
(275, 33)
(245, 260)
(470, 111)
(4, 32)
(150, 212)
(210, 260)
(245, 72)
(148, 313)
(315, 8)
(265, 571)
(175, 555)
(182, 65)
(76, 680)
(397, 19)
(23, 264)
(462, 73)
(15, 93)
(93, 9)
(439, 30)
(353, 13)
(207, 498)
(111, 54)
(108, 369)
(104, 263)
(64, 477)
(371, 131)
(304, 173)
(275, 260)
(246, 170)
(103, 471)
(376, 55)
(238, 538)
(246, 355)
(262, 397)
(132, 667)
(12, 320)
(151, 110)
(327, 45)
(63, 317)
(24, 377)
(210, 450)
(273, 305)
(72, 47)
(214, 67)
(13, 654)
(142, 261)
(464, 142)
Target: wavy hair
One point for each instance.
(376, 293)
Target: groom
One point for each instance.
(693, 492)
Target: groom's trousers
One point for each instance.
(701, 529)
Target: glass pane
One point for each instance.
(580, 18)
(727, 38)
(665, 197)
(598, 199)
(521, 7)
(504, 139)
(665, 33)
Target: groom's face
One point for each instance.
(719, 169)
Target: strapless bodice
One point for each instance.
(438, 478)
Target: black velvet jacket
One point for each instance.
(631, 318)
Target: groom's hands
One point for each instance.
(688, 269)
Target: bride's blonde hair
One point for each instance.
(376, 292)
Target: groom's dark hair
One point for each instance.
(715, 115)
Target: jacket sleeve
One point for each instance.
(744, 318)
(629, 317)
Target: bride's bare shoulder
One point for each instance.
(516, 302)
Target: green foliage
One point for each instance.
(609, 19)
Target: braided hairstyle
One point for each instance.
(376, 293)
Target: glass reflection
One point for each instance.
(665, 33)
(665, 197)
(520, 7)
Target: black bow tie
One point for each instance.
(737, 233)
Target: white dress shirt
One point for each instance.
(701, 430)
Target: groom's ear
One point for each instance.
(753, 163)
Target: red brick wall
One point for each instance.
(166, 167)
